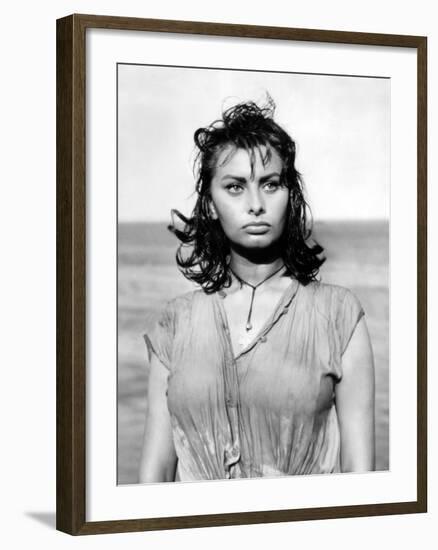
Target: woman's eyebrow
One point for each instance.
(269, 176)
(240, 179)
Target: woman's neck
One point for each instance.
(254, 269)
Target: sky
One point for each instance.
(341, 126)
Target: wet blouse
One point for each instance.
(270, 410)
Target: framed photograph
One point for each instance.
(241, 274)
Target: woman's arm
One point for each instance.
(355, 403)
(158, 459)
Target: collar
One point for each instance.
(281, 309)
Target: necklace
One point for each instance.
(254, 288)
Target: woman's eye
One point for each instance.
(233, 188)
(272, 185)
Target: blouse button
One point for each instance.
(263, 339)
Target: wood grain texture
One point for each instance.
(422, 275)
(70, 246)
(247, 31)
(71, 272)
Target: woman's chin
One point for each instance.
(256, 243)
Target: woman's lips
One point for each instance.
(256, 228)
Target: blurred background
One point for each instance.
(342, 130)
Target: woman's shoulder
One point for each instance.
(321, 289)
(331, 298)
(182, 302)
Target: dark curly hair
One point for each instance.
(252, 128)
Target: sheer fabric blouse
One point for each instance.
(268, 411)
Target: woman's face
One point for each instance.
(250, 205)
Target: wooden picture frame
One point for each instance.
(72, 266)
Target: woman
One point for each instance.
(263, 371)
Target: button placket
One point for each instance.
(231, 378)
(231, 394)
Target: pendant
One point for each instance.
(248, 326)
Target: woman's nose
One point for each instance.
(255, 202)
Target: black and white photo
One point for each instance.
(253, 274)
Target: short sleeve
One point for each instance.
(160, 338)
(349, 314)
